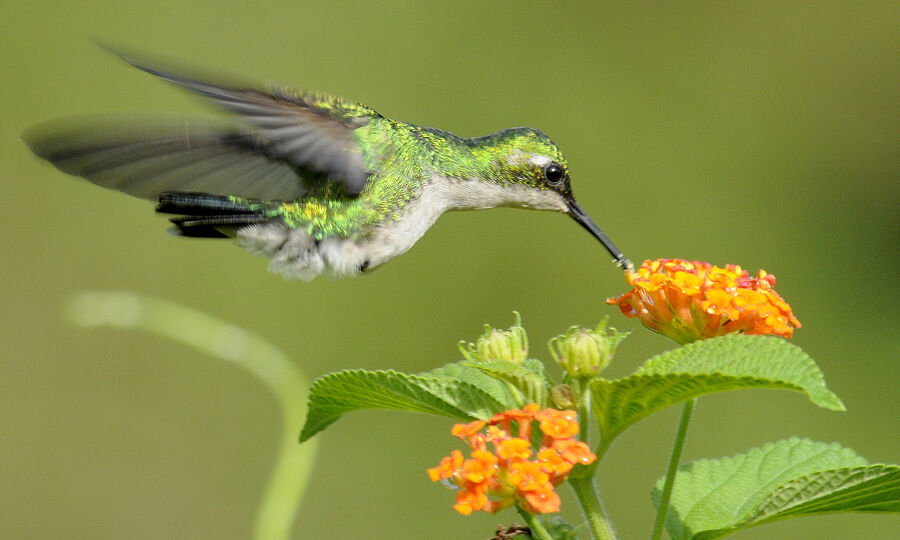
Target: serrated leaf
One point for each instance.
(337, 393)
(789, 478)
(463, 372)
(873, 488)
(726, 363)
(528, 378)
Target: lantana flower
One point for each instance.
(505, 470)
(691, 300)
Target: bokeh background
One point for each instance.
(761, 133)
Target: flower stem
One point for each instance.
(593, 510)
(538, 532)
(584, 410)
(272, 367)
(680, 436)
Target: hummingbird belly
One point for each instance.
(296, 254)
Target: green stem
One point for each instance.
(538, 531)
(584, 409)
(601, 449)
(593, 509)
(591, 470)
(228, 343)
(680, 436)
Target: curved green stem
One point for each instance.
(601, 449)
(593, 509)
(228, 343)
(680, 436)
(538, 532)
(591, 470)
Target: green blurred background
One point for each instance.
(761, 133)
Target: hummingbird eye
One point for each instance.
(554, 173)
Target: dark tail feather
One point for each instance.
(203, 215)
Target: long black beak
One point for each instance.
(579, 215)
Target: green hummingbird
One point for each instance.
(317, 183)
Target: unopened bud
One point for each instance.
(585, 353)
(564, 397)
(509, 345)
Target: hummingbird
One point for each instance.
(317, 183)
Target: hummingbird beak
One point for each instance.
(579, 215)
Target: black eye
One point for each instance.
(553, 173)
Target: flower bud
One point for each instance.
(509, 345)
(585, 353)
(563, 396)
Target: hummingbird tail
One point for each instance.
(204, 215)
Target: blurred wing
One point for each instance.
(310, 131)
(144, 158)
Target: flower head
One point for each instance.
(514, 473)
(691, 300)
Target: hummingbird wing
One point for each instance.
(283, 143)
(144, 157)
(311, 131)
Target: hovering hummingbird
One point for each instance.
(316, 182)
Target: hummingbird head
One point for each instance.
(537, 176)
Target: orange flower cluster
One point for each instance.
(687, 301)
(493, 480)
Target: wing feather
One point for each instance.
(145, 157)
(291, 122)
(281, 143)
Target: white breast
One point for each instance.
(295, 255)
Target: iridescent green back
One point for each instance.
(403, 157)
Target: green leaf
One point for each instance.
(729, 362)
(458, 393)
(529, 379)
(789, 478)
(463, 372)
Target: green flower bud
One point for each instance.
(585, 353)
(509, 345)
